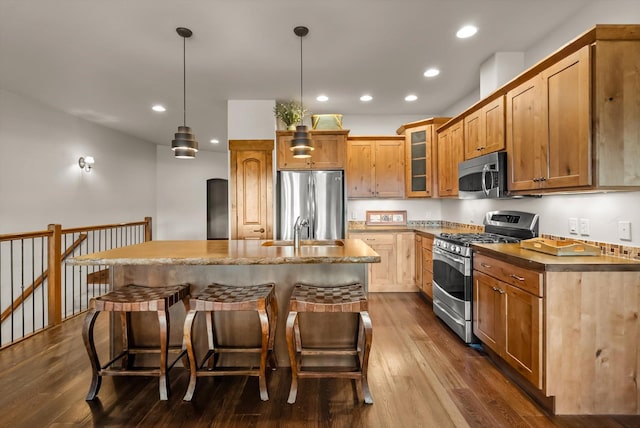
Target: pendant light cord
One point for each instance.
(301, 104)
(184, 80)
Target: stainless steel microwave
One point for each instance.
(484, 177)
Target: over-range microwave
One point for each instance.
(484, 177)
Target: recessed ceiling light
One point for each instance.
(432, 72)
(411, 97)
(466, 31)
(158, 108)
(214, 141)
(366, 98)
(322, 98)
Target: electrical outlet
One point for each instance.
(573, 226)
(585, 227)
(624, 230)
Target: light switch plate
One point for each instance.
(624, 230)
(585, 227)
(573, 226)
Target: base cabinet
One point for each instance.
(427, 266)
(395, 272)
(507, 318)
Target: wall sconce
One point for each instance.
(86, 163)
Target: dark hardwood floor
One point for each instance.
(421, 375)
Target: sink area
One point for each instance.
(307, 243)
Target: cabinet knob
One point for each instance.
(535, 180)
(485, 265)
(514, 276)
(543, 179)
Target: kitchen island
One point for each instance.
(239, 263)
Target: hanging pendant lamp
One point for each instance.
(301, 143)
(184, 144)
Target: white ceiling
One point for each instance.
(108, 61)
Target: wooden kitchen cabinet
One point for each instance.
(484, 129)
(427, 266)
(251, 182)
(395, 272)
(568, 126)
(420, 156)
(508, 318)
(329, 151)
(418, 256)
(450, 154)
(548, 122)
(375, 167)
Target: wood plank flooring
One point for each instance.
(421, 375)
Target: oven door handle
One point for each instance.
(454, 317)
(447, 255)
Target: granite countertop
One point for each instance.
(530, 259)
(423, 230)
(240, 252)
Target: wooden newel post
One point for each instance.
(55, 274)
(147, 229)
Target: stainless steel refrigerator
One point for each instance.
(315, 195)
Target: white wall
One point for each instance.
(41, 183)
(251, 119)
(181, 209)
(378, 124)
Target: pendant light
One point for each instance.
(184, 144)
(301, 143)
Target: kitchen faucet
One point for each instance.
(299, 224)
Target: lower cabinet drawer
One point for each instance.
(525, 279)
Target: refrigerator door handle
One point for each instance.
(312, 212)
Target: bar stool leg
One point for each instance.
(264, 326)
(127, 360)
(87, 336)
(291, 322)
(193, 363)
(368, 337)
(212, 355)
(185, 357)
(273, 320)
(163, 319)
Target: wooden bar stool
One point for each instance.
(127, 299)
(217, 298)
(329, 299)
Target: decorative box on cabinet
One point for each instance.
(420, 156)
(329, 151)
(375, 167)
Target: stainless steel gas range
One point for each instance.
(453, 265)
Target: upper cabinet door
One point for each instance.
(567, 121)
(484, 130)
(526, 143)
(450, 154)
(360, 174)
(330, 151)
(389, 169)
(418, 167)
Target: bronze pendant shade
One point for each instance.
(184, 144)
(301, 143)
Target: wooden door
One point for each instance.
(526, 140)
(566, 86)
(418, 161)
(427, 266)
(488, 319)
(405, 262)
(251, 189)
(493, 126)
(360, 174)
(389, 168)
(418, 257)
(285, 159)
(473, 133)
(450, 154)
(329, 151)
(523, 333)
(382, 275)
